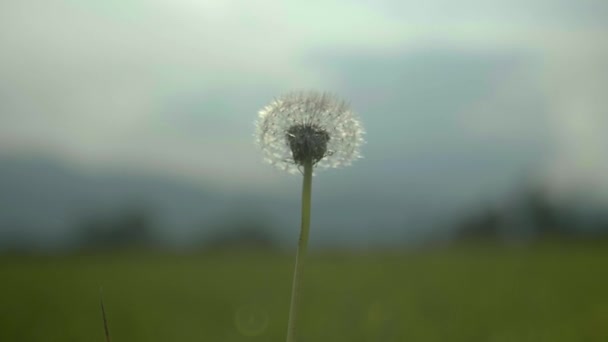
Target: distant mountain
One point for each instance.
(44, 203)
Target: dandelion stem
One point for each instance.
(300, 254)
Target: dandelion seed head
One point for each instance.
(308, 125)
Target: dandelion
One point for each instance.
(311, 125)
(298, 132)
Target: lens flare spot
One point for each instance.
(250, 320)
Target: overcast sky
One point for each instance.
(452, 94)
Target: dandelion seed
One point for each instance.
(302, 125)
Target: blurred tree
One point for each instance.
(534, 214)
(485, 225)
(131, 227)
(241, 233)
(546, 217)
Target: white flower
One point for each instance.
(309, 125)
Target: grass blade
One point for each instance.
(103, 315)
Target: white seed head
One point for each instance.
(309, 125)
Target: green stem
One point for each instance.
(300, 254)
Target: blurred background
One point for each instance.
(127, 160)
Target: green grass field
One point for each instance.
(554, 293)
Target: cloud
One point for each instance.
(174, 86)
(111, 83)
(577, 80)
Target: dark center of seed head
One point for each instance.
(307, 142)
